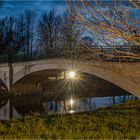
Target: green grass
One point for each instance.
(115, 122)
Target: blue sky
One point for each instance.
(15, 7)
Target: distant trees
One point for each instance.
(16, 35)
(70, 31)
(57, 31)
(11, 39)
(48, 30)
(28, 28)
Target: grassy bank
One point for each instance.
(118, 121)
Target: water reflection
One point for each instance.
(26, 106)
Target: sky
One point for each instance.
(15, 7)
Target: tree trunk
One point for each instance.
(10, 71)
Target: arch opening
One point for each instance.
(54, 81)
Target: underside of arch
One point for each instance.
(88, 86)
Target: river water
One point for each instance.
(35, 105)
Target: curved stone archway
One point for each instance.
(98, 69)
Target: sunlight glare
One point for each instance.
(71, 102)
(72, 74)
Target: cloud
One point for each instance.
(15, 7)
(1, 3)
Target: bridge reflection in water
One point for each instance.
(35, 105)
(55, 94)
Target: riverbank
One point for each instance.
(118, 121)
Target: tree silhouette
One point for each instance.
(48, 29)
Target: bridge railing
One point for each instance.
(67, 53)
(60, 52)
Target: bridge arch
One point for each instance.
(21, 70)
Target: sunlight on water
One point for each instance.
(71, 102)
(26, 106)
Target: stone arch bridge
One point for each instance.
(122, 74)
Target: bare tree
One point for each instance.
(21, 28)
(11, 39)
(116, 19)
(48, 29)
(70, 32)
(29, 30)
(70, 35)
(25, 25)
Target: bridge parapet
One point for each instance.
(76, 53)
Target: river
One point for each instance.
(36, 105)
